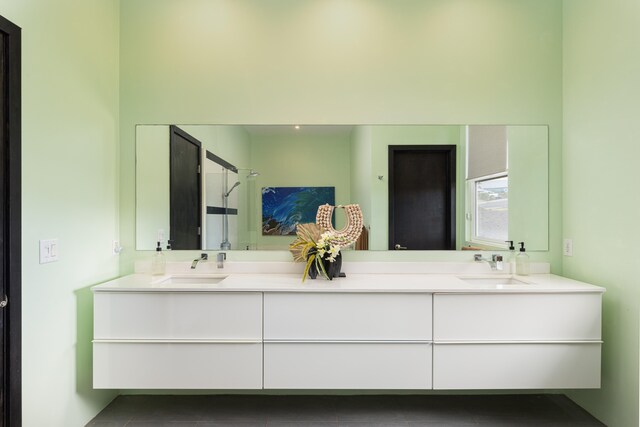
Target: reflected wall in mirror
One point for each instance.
(500, 191)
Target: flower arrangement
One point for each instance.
(316, 247)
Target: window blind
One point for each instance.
(486, 150)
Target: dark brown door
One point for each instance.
(10, 232)
(184, 199)
(422, 185)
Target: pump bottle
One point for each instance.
(158, 262)
(511, 260)
(522, 261)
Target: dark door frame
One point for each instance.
(451, 221)
(11, 169)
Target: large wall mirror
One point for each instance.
(420, 187)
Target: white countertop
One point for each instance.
(279, 282)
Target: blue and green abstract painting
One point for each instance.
(285, 207)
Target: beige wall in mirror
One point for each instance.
(255, 182)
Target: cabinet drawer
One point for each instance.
(516, 366)
(347, 365)
(177, 315)
(347, 316)
(177, 365)
(521, 317)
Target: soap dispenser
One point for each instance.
(511, 260)
(522, 261)
(158, 262)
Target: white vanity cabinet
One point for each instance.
(347, 340)
(193, 340)
(516, 341)
(363, 332)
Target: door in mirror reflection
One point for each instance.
(184, 190)
(422, 194)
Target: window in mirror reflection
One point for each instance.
(490, 210)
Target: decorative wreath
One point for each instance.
(351, 231)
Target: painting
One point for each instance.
(285, 207)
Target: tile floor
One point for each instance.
(344, 411)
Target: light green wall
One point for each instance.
(69, 192)
(300, 161)
(152, 185)
(600, 183)
(332, 62)
(528, 186)
(360, 171)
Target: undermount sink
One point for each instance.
(493, 281)
(190, 280)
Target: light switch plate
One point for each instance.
(116, 248)
(567, 247)
(49, 251)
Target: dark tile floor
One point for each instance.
(344, 411)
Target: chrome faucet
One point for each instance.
(221, 257)
(203, 257)
(495, 262)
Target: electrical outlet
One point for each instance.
(48, 251)
(116, 248)
(567, 247)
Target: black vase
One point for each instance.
(332, 268)
(313, 270)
